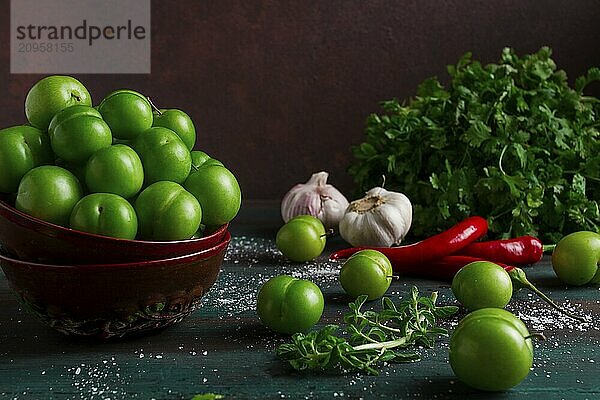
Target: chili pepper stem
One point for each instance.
(518, 275)
(547, 248)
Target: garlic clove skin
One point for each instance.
(317, 198)
(381, 219)
(332, 211)
(300, 201)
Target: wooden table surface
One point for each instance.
(222, 347)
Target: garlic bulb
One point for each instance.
(316, 198)
(381, 219)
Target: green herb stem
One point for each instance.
(390, 344)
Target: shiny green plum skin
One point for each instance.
(21, 149)
(502, 314)
(67, 113)
(289, 305)
(314, 221)
(491, 350)
(127, 112)
(37, 141)
(166, 211)
(116, 169)
(52, 94)
(15, 161)
(49, 193)
(218, 192)
(366, 272)
(575, 258)
(179, 122)
(300, 240)
(482, 284)
(164, 156)
(198, 158)
(78, 132)
(212, 162)
(104, 214)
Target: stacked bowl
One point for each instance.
(90, 285)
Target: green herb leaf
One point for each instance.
(510, 141)
(369, 337)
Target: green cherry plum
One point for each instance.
(104, 214)
(78, 132)
(198, 158)
(52, 94)
(289, 305)
(37, 141)
(21, 149)
(482, 284)
(367, 272)
(116, 169)
(491, 350)
(179, 122)
(49, 193)
(164, 156)
(15, 161)
(575, 258)
(314, 221)
(166, 211)
(218, 192)
(127, 112)
(67, 113)
(212, 161)
(301, 239)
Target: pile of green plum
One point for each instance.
(123, 168)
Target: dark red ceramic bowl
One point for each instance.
(29, 238)
(114, 300)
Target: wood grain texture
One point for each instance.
(281, 89)
(223, 348)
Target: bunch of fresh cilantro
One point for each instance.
(510, 141)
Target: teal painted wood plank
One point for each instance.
(223, 348)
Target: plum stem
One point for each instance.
(153, 106)
(536, 335)
(329, 233)
(518, 275)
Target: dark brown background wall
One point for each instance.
(281, 89)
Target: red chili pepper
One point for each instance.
(427, 250)
(517, 251)
(443, 268)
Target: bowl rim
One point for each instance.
(200, 255)
(30, 218)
